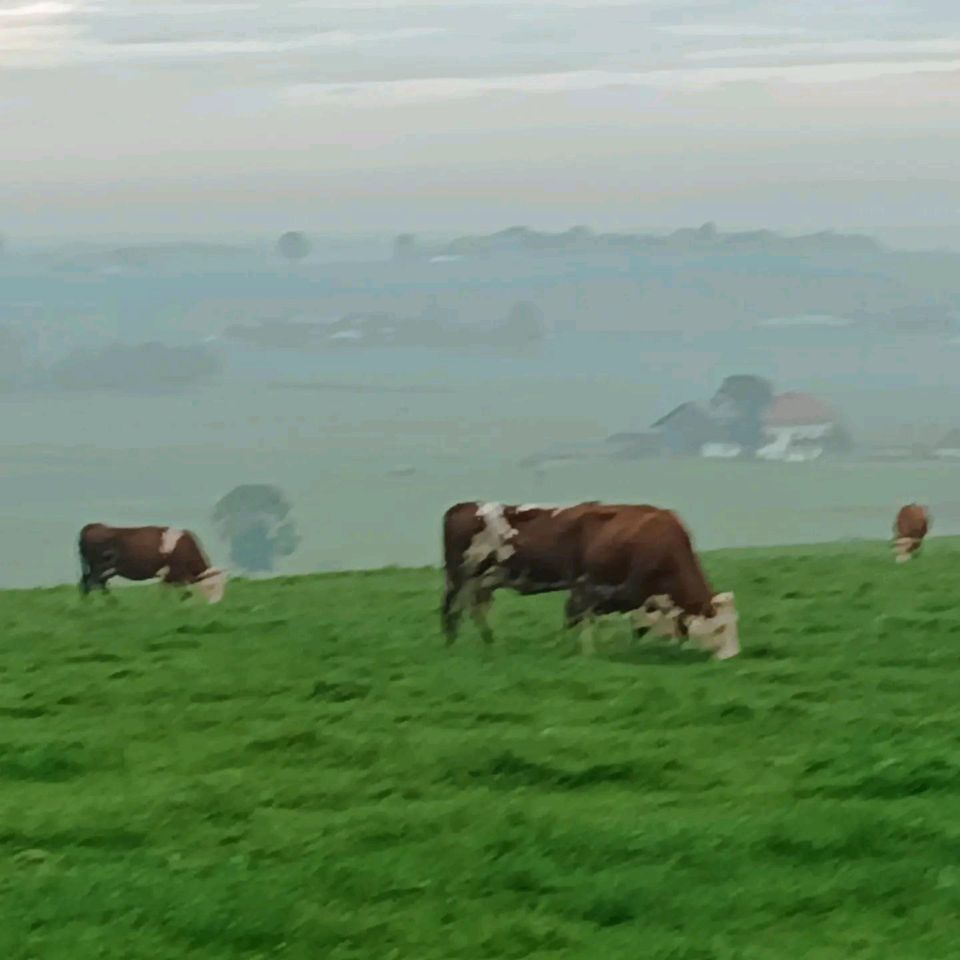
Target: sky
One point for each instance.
(209, 117)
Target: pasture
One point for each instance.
(305, 771)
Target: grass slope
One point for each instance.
(306, 772)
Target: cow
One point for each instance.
(911, 525)
(642, 563)
(532, 549)
(144, 553)
(491, 546)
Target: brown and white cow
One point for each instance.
(583, 548)
(642, 562)
(910, 527)
(529, 549)
(144, 553)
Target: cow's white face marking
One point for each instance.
(661, 615)
(162, 572)
(493, 539)
(168, 541)
(903, 548)
(212, 585)
(719, 633)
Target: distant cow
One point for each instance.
(910, 527)
(603, 553)
(143, 553)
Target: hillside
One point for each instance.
(690, 280)
(306, 772)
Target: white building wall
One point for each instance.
(783, 438)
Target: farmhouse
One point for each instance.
(797, 426)
(687, 429)
(794, 427)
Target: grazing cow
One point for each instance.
(143, 553)
(490, 546)
(910, 527)
(642, 562)
(534, 549)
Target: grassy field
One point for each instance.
(306, 772)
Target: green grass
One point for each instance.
(306, 772)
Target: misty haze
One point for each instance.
(397, 254)
(519, 424)
(404, 373)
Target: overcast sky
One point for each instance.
(204, 116)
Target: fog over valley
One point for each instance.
(383, 256)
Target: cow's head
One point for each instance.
(660, 614)
(212, 585)
(718, 631)
(904, 547)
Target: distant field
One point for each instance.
(354, 511)
(306, 772)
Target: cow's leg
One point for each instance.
(588, 630)
(94, 576)
(579, 611)
(480, 603)
(576, 608)
(639, 624)
(105, 569)
(86, 584)
(98, 581)
(452, 610)
(105, 589)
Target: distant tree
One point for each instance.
(708, 232)
(740, 403)
(293, 246)
(578, 236)
(255, 520)
(746, 392)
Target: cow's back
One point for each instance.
(546, 544)
(642, 551)
(138, 551)
(913, 521)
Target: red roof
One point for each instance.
(797, 409)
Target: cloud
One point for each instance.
(731, 30)
(383, 93)
(63, 44)
(34, 10)
(331, 39)
(836, 49)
